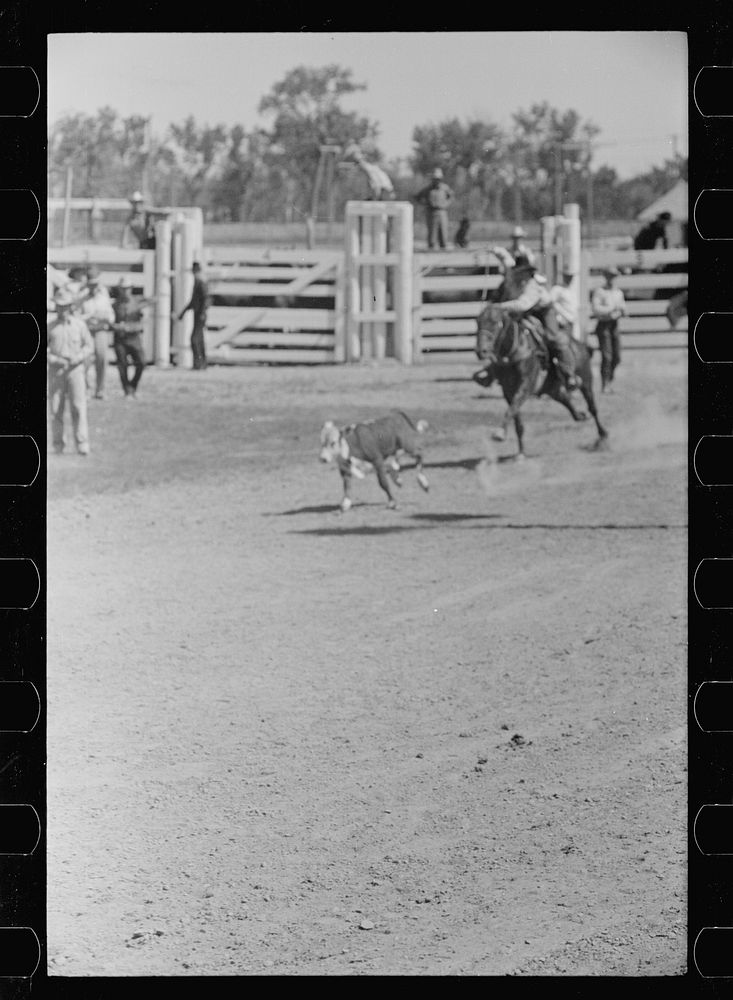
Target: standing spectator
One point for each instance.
(436, 198)
(381, 187)
(69, 345)
(566, 302)
(608, 305)
(98, 314)
(76, 285)
(199, 304)
(139, 231)
(128, 333)
(519, 249)
(648, 237)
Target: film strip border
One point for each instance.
(22, 505)
(710, 309)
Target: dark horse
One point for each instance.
(677, 308)
(520, 363)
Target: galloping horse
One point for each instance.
(521, 365)
(677, 308)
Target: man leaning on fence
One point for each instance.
(69, 346)
(198, 305)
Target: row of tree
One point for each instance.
(268, 173)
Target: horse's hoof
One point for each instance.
(582, 416)
(520, 457)
(601, 444)
(392, 505)
(345, 504)
(499, 435)
(423, 481)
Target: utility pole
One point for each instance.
(558, 179)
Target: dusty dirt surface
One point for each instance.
(448, 739)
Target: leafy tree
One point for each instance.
(194, 152)
(305, 107)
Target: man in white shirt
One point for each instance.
(97, 312)
(566, 303)
(608, 306)
(69, 345)
(381, 187)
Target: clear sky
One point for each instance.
(632, 84)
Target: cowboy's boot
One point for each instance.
(484, 377)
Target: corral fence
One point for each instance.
(376, 299)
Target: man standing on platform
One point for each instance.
(199, 304)
(69, 346)
(436, 198)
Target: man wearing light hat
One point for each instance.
(69, 345)
(436, 198)
(518, 248)
(98, 314)
(608, 306)
(139, 231)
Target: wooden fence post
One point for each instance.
(379, 286)
(353, 345)
(183, 287)
(162, 329)
(571, 258)
(403, 286)
(366, 271)
(340, 346)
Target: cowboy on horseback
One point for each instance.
(525, 293)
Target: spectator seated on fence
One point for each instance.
(139, 231)
(654, 232)
(381, 187)
(518, 248)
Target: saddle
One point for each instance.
(533, 326)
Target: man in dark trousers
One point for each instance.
(436, 198)
(199, 304)
(128, 336)
(648, 237)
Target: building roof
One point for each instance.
(674, 201)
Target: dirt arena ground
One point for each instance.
(447, 739)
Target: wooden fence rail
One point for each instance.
(375, 298)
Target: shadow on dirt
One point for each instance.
(324, 508)
(443, 518)
(458, 463)
(582, 527)
(387, 529)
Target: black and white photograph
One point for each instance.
(367, 503)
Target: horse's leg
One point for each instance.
(586, 388)
(527, 377)
(519, 428)
(510, 383)
(555, 388)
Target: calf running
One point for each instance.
(373, 444)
